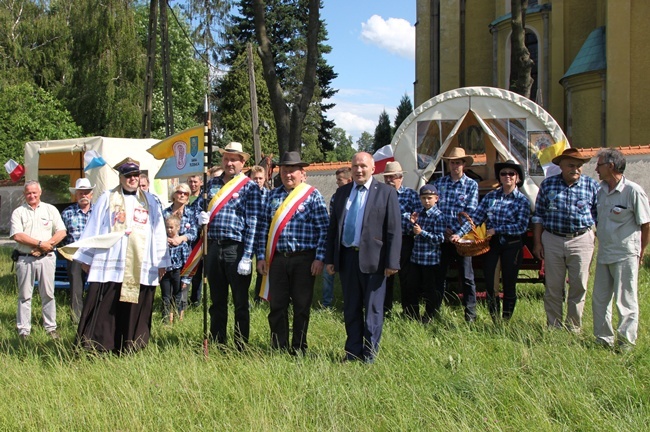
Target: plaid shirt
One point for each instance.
(306, 230)
(426, 247)
(455, 197)
(566, 209)
(189, 223)
(237, 219)
(409, 202)
(179, 255)
(75, 221)
(507, 214)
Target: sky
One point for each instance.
(373, 52)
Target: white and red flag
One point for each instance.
(15, 170)
(382, 157)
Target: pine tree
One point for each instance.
(383, 131)
(404, 109)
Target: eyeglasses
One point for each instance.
(182, 193)
(131, 175)
(507, 173)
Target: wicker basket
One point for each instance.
(474, 247)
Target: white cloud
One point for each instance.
(355, 118)
(396, 35)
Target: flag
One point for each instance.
(382, 157)
(15, 170)
(92, 159)
(546, 156)
(183, 154)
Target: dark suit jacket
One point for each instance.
(381, 234)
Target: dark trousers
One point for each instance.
(363, 307)
(290, 282)
(508, 249)
(221, 262)
(172, 293)
(197, 284)
(77, 278)
(107, 324)
(466, 272)
(430, 281)
(404, 263)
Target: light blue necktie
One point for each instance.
(349, 228)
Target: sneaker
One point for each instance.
(53, 334)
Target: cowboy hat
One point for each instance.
(292, 158)
(235, 147)
(510, 164)
(459, 153)
(570, 153)
(81, 184)
(127, 166)
(393, 168)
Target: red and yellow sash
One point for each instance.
(281, 218)
(216, 203)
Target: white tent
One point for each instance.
(66, 157)
(493, 123)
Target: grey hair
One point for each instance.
(33, 182)
(615, 157)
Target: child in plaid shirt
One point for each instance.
(172, 284)
(425, 273)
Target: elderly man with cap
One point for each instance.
(75, 218)
(291, 251)
(565, 213)
(623, 235)
(37, 228)
(124, 251)
(234, 209)
(506, 213)
(458, 193)
(409, 202)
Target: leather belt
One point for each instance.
(569, 235)
(354, 248)
(297, 253)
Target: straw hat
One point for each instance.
(393, 168)
(459, 153)
(237, 148)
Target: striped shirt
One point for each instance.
(306, 230)
(455, 197)
(566, 209)
(75, 221)
(506, 214)
(426, 246)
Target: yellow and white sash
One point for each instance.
(216, 203)
(281, 218)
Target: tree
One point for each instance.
(404, 109)
(366, 142)
(521, 64)
(383, 131)
(29, 113)
(343, 150)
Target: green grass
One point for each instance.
(445, 376)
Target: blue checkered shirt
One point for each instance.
(189, 223)
(409, 202)
(306, 230)
(237, 219)
(506, 214)
(566, 209)
(426, 247)
(75, 221)
(179, 255)
(455, 197)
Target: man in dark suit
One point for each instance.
(363, 244)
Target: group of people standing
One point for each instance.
(128, 244)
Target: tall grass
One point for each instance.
(444, 376)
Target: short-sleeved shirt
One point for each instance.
(40, 223)
(455, 197)
(621, 212)
(75, 221)
(564, 208)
